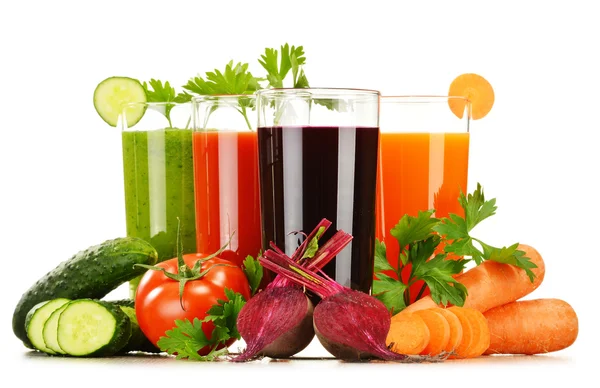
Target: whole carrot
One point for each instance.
(531, 327)
(494, 284)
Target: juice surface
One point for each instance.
(227, 193)
(418, 172)
(310, 173)
(159, 188)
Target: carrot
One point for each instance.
(461, 351)
(477, 90)
(481, 333)
(456, 331)
(492, 284)
(408, 335)
(532, 327)
(421, 304)
(439, 331)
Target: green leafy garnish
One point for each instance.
(187, 338)
(419, 238)
(156, 91)
(235, 79)
(254, 272)
(292, 58)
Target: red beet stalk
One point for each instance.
(351, 325)
(278, 321)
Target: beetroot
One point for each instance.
(278, 321)
(350, 324)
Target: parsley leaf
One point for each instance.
(156, 91)
(390, 291)
(188, 338)
(233, 80)
(254, 272)
(437, 274)
(411, 229)
(185, 340)
(457, 231)
(224, 316)
(381, 262)
(292, 58)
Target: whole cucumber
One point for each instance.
(91, 273)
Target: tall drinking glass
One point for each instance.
(318, 159)
(159, 180)
(226, 176)
(423, 163)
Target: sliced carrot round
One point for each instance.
(456, 330)
(481, 332)
(467, 338)
(439, 331)
(408, 335)
(474, 88)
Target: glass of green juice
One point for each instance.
(159, 177)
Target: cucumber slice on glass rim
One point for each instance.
(113, 94)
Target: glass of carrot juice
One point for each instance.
(225, 151)
(423, 163)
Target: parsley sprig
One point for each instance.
(156, 91)
(419, 237)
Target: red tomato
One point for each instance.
(157, 303)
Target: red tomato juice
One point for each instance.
(227, 193)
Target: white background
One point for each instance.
(536, 152)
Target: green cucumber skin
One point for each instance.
(138, 341)
(91, 273)
(121, 335)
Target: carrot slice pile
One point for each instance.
(408, 334)
(462, 349)
(481, 333)
(456, 330)
(439, 331)
(477, 90)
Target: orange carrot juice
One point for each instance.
(418, 172)
(227, 193)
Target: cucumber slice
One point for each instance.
(111, 96)
(50, 332)
(36, 319)
(92, 328)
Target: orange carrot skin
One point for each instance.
(532, 327)
(421, 304)
(492, 284)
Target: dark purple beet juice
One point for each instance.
(308, 173)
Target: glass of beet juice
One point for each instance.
(158, 177)
(423, 164)
(318, 159)
(226, 176)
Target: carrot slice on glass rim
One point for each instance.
(474, 88)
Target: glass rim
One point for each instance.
(162, 103)
(318, 92)
(420, 98)
(205, 97)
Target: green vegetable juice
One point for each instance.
(159, 189)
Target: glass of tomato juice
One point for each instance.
(226, 176)
(423, 163)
